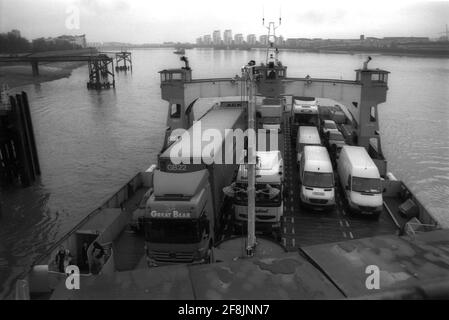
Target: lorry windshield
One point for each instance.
(267, 195)
(368, 185)
(306, 119)
(271, 120)
(172, 230)
(318, 179)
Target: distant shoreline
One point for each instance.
(389, 52)
(439, 54)
(20, 74)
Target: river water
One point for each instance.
(91, 142)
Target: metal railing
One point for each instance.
(113, 201)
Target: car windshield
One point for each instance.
(172, 230)
(330, 125)
(318, 179)
(336, 136)
(266, 194)
(368, 185)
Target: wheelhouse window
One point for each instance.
(271, 74)
(372, 116)
(176, 76)
(379, 77)
(175, 111)
(165, 77)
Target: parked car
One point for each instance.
(334, 141)
(327, 126)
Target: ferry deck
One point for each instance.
(300, 226)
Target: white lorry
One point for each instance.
(304, 112)
(270, 115)
(183, 214)
(180, 220)
(269, 192)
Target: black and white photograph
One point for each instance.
(224, 155)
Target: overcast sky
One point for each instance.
(147, 21)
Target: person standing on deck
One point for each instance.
(67, 259)
(60, 258)
(84, 257)
(97, 258)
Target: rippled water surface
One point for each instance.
(90, 143)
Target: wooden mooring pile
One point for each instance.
(19, 161)
(123, 61)
(101, 72)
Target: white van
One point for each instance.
(307, 136)
(360, 180)
(317, 186)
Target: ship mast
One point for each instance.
(248, 75)
(272, 52)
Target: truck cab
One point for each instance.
(270, 114)
(179, 219)
(304, 112)
(269, 200)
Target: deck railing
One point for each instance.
(115, 201)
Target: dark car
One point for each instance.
(334, 141)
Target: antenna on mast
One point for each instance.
(263, 16)
(272, 52)
(280, 15)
